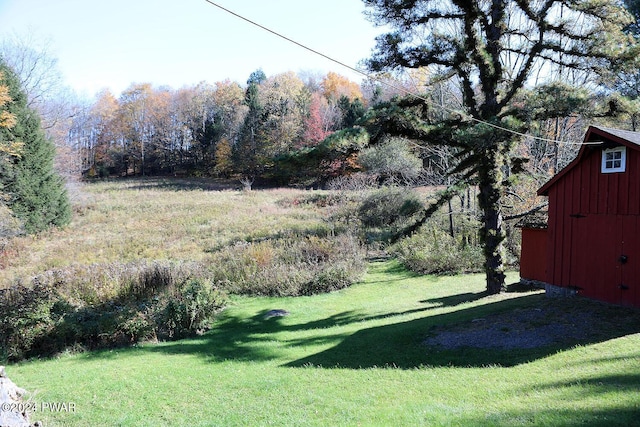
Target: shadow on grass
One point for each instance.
(624, 416)
(596, 387)
(454, 300)
(394, 271)
(180, 184)
(401, 344)
(252, 339)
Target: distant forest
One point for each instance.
(223, 129)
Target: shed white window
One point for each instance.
(614, 160)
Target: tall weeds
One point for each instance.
(147, 259)
(104, 306)
(290, 266)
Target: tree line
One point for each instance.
(222, 129)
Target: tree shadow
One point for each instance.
(520, 287)
(251, 339)
(454, 300)
(624, 416)
(401, 344)
(181, 184)
(405, 343)
(396, 272)
(596, 387)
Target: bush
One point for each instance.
(190, 309)
(289, 266)
(392, 160)
(358, 181)
(432, 251)
(153, 301)
(389, 206)
(25, 315)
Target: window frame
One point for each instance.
(623, 160)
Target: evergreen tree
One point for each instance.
(625, 77)
(352, 111)
(492, 49)
(248, 157)
(36, 194)
(633, 6)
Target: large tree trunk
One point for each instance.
(492, 233)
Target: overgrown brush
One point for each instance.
(433, 251)
(95, 284)
(289, 266)
(389, 206)
(129, 303)
(105, 305)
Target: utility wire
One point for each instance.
(392, 86)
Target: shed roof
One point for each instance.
(597, 137)
(536, 220)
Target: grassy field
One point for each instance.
(126, 221)
(353, 357)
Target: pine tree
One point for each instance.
(36, 193)
(492, 50)
(248, 152)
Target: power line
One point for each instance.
(385, 83)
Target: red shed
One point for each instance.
(593, 233)
(533, 256)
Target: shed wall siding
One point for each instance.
(631, 270)
(594, 218)
(533, 254)
(586, 190)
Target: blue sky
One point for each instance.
(113, 43)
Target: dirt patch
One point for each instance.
(553, 322)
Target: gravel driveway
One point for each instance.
(554, 321)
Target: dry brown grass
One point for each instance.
(151, 220)
(120, 271)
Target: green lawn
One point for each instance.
(354, 357)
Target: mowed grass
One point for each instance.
(352, 357)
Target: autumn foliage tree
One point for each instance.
(335, 86)
(221, 129)
(8, 147)
(316, 125)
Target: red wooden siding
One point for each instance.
(585, 189)
(631, 269)
(594, 219)
(533, 254)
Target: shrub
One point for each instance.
(150, 301)
(289, 266)
(25, 315)
(432, 251)
(358, 181)
(392, 160)
(190, 309)
(388, 206)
